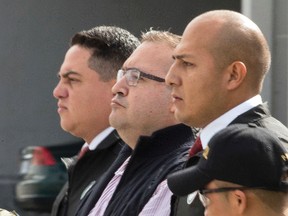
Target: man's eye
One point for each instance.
(185, 63)
(71, 79)
(133, 76)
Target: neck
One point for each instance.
(267, 212)
(129, 137)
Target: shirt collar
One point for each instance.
(99, 138)
(224, 120)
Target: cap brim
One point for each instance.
(187, 181)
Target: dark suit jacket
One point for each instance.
(164, 149)
(90, 199)
(85, 172)
(259, 116)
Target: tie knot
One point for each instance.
(197, 147)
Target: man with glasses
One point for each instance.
(216, 80)
(242, 172)
(157, 144)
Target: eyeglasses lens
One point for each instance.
(120, 74)
(132, 77)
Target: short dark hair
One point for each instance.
(110, 47)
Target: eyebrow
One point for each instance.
(131, 68)
(181, 56)
(66, 74)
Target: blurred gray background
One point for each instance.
(34, 36)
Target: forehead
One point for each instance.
(151, 57)
(76, 59)
(197, 38)
(211, 185)
(77, 52)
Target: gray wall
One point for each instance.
(280, 60)
(271, 17)
(33, 40)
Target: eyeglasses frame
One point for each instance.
(206, 201)
(141, 74)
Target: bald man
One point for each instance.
(216, 78)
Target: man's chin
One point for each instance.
(177, 114)
(112, 119)
(173, 109)
(65, 126)
(180, 117)
(115, 120)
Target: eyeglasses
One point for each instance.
(132, 76)
(206, 201)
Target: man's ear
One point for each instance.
(236, 73)
(239, 201)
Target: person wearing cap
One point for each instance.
(216, 79)
(242, 171)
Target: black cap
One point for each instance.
(240, 154)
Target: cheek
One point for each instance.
(134, 103)
(218, 206)
(213, 209)
(84, 102)
(162, 103)
(192, 85)
(100, 102)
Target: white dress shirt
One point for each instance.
(223, 121)
(220, 123)
(98, 139)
